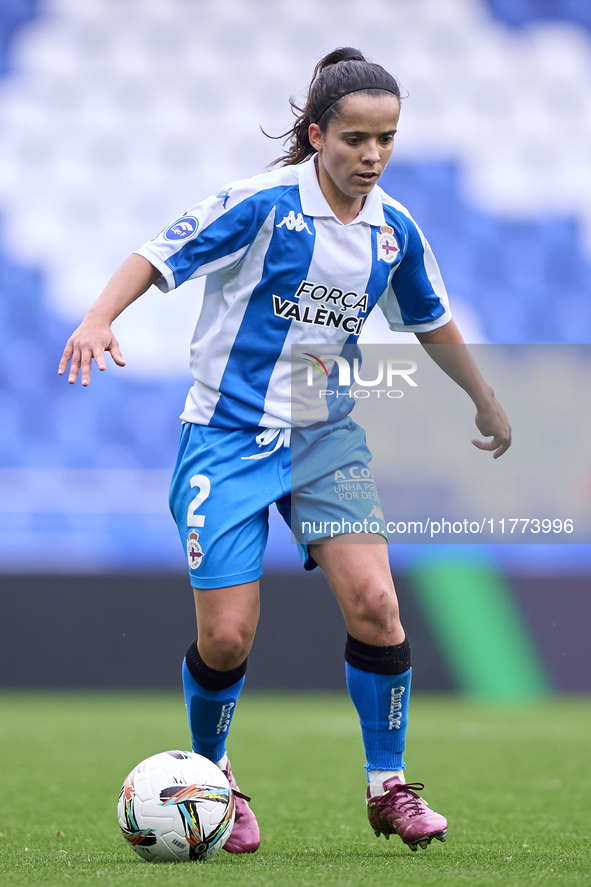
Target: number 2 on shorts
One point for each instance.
(204, 485)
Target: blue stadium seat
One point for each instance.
(522, 12)
(13, 14)
(516, 275)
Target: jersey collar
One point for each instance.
(314, 202)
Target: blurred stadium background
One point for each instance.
(116, 116)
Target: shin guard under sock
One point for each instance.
(378, 680)
(210, 697)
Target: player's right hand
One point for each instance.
(89, 342)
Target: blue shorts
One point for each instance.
(224, 482)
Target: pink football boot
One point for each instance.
(399, 811)
(245, 836)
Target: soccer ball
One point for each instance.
(176, 806)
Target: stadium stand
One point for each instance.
(115, 117)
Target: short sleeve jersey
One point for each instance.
(281, 271)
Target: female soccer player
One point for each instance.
(296, 256)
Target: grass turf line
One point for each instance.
(513, 783)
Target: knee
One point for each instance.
(224, 647)
(373, 615)
(378, 606)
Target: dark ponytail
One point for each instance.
(339, 73)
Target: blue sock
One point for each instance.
(381, 700)
(210, 711)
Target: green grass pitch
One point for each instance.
(513, 782)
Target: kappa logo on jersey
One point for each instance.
(294, 222)
(387, 246)
(182, 229)
(194, 551)
(224, 194)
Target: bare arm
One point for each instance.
(94, 335)
(457, 362)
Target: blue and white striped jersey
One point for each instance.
(282, 270)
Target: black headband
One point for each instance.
(348, 92)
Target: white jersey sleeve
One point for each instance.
(213, 235)
(415, 300)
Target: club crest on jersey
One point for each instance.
(387, 246)
(182, 229)
(294, 222)
(194, 551)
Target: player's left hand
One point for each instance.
(491, 421)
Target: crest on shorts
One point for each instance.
(387, 246)
(194, 551)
